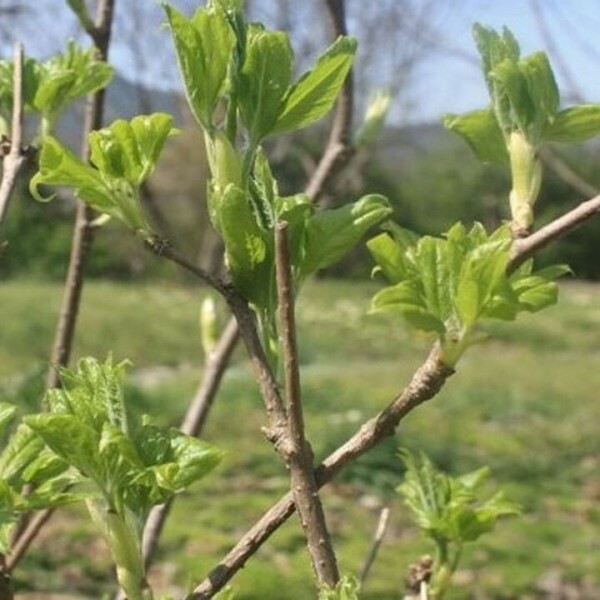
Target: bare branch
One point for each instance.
(425, 384)
(339, 148)
(564, 171)
(30, 532)
(15, 159)
(297, 451)
(382, 524)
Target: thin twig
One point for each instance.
(339, 149)
(425, 384)
(22, 543)
(297, 451)
(564, 171)
(15, 159)
(382, 524)
(526, 247)
(193, 424)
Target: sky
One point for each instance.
(447, 81)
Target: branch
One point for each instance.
(15, 159)
(425, 384)
(564, 171)
(297, 451)
(339, 148)
(194, 422)
(382, 524)
(524, 248)
(83, 231)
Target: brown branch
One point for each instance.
(194, 422)
(564, 171)
(81, 245)
(339, 148)
(425, 384)
(15, 159)
(297, 451)
(83, 231)
(382, 524)
(525, 248)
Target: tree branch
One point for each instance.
(297, 451)
(425, 384)
(339, 148)
(382, 524)
(15, 159)
(83, 231)
(564, 171)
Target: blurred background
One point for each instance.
(525, 403)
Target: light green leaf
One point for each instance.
(7, 412)
(22, 448)
(194, 458)
(574, 124)
(72, 440)
(511, 83)
(481, 132)
(332, 233)
(204, 46)
(541, 86)
(312, 97)
(264, 81)
(389, 257)
(406, 299)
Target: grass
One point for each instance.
(525, 403)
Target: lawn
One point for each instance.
(525, 402)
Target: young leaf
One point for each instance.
(204, 45)
(332, 233)
(264, 81)
(7, 412)
(480, 130)
(574, 124)
(312, 97)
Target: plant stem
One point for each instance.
(297, 451)
(382, 524)
(15, 159)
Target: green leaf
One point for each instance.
(389, 257)
(481, 132)
(541, 86)
(332, 233)
(7, 413)
(264, 81)
(22, 448)
(312, 97)
(194, 458)
(511, 83)
(406, 299)
(72, 440)
(249, 256)
(204, 46)
(574, 124)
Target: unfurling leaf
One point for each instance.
(204, 46)
(574, 124)
(123, 156)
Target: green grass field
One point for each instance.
(525, 403)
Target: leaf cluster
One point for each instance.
(50, 87)
(524, 97)
(127, 466)
(122, 157)
(447, 285)
(346, 589)
(451, 509)
(25, 462)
